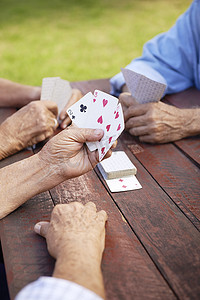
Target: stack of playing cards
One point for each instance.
(99, 111)
(119, 173)
(57, 90)
(142, 88)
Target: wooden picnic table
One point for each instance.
(152, 234)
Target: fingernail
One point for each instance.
(37, 228)
(98, 132)
(64, 126)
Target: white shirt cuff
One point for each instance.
(51, 288)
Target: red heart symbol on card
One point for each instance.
(119, 126)
(94, 100)
(100, 120)
(117, 115)
(103, 150)
(121, 180)
(124, 186)
(110, 139)
(108, 127)
(105, 102)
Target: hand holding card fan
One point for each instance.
(99, 111)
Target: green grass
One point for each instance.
(78, 39)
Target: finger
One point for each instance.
(90, 135)
(55, 124)
(138, 131)
(108, 154)
(136, 122)
(42, 228)
(66, 122)
(126, 99)
(52, 106)
(114, 145)
(43, 136)
(102, 216)
(91, 206)
(135, 111)
(38, 139)
(76, 95)
(147, 139)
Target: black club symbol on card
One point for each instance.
(83, 108)
(73, 117)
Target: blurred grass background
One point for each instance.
(78, 39)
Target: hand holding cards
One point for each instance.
(99, 111)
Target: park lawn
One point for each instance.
(78, 39)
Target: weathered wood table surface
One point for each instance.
(152, 234)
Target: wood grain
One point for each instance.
(152, 241)
(174, 172)
(128, 271)
(25, 253)
(169, 237)
(191, 148)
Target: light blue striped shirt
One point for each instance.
(174, 54)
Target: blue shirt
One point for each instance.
(173, 55)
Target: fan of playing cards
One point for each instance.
(99, 111)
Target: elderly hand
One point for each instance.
(76, 95)
(67, 154)
(72, 226)
(31, 124)
(76, 238)
(157, 122)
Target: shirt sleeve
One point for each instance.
(51, 288)
(174, 55)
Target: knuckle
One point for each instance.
(133, 131)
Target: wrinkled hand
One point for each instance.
(72, 227)
(31, 124)
(153, 122)
(76, 95)
(67, 154)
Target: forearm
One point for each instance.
(191, 122)
(17, 95)
(81, 263)
(23, 180)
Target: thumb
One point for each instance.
(127, 99)
(91, 135)
(52, 106)
(41, 228)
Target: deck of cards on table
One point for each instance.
(119, 173)
(99, 111)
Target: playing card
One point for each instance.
(117, 165)
(123, 184)
(103, 105)
(99, 111)
(61, 93)
(80, 113)
(142, 88)
(57, 90)
(48, 85)
(116, 126)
